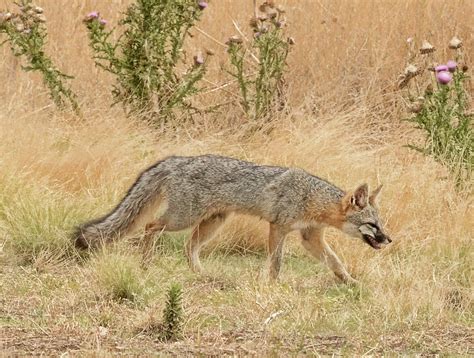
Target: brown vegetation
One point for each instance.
(344, 124)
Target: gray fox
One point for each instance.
(200, 192)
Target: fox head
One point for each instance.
(361, 217)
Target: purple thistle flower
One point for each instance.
(452, 65)
(103, 22)
(444, 77)
(93, 15)
(202, 5)
(441, 68)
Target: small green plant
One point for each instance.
(146, 59)
(119, 275)
(438, 98)
(259, 65)
(27, 35)
(173, 313)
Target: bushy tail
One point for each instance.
(119, 221)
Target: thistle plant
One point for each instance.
(438, 99)
(147, 59)
(173, 313)
(26, 34)
(258, 65)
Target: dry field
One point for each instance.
(344, 125)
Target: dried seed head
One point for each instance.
(465, 68)
(291, 40)
(40, 18)
(455, 43)
(411, 71)
(415, 107)
(253, 22)
(426, 47)
(403, 81)
(25, 8)
(20, 27)
(280, 9)
(209, 52)
(7, 16)
(272, 13)
(234, 40)
(30, 12)
(38, 10)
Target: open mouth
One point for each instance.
(372, 242)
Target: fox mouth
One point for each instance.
(372, 242)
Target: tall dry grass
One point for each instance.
(344, 125)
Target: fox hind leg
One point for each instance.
(148, 246)
(202, 233)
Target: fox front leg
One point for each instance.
(276, 240)
(313, 241)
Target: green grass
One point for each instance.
(416, 299)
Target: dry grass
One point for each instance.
(56, 171)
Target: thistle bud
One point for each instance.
(7, 16)
(94, 15)
(455, 43)
(441, 68)
(465, 68)
(38, 10)
(452, 65)
(209, 52)
(103, 22)
(20, 27)
(429, 89)
(444, 77)
(202, 5)
(253, 23)
(198, 59)
(291, 40)
(279, 24)
(426, 47)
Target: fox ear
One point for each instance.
(358, 199)
(373, 196)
